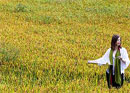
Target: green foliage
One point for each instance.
(46, 19)
(43, 19)
(8, 53)
(20, 8)
(48, 42)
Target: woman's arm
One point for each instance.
(103, 60)
(125, 58)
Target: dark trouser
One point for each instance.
(113, 80)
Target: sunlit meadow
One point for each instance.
(45, 44)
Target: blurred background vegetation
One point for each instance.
(45, 44)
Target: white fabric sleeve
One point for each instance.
(125, 57)
(103, 60)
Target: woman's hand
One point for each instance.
(89, 61)
(121, 59)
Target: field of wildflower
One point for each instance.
(45, 44)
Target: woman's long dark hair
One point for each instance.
(114, 40)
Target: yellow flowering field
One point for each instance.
(45, 44)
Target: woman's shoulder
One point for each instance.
(123, 48)
(108, 50)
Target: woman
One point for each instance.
(118, 60)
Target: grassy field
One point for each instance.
(45, 44)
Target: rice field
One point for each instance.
(45, 44)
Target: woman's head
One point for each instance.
(116, 41)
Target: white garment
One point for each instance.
(105, 59)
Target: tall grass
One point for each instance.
(47, 44)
